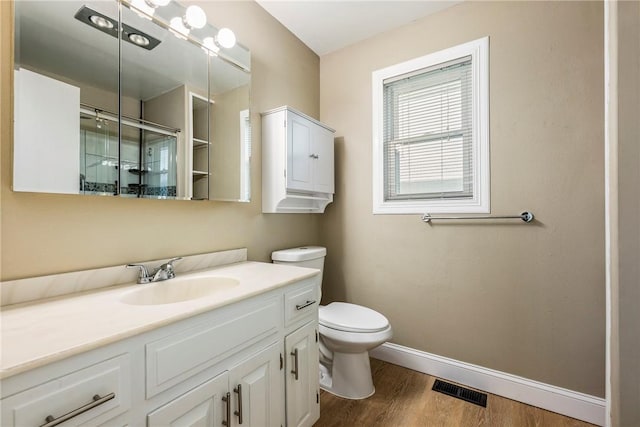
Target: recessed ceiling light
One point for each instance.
(109, 25)
(139, 39)
(101, 22)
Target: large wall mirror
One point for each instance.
(159, 109)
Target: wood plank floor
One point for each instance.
(404, 398)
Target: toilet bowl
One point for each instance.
(347, 333)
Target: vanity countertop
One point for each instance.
(39, 333)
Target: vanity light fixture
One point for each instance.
(110, 26)
(209, 46)
(194, 17)
(177, 27)
(148, 7)
(226, 38)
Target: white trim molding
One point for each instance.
(556, 399)
(480, 203)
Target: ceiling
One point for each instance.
(329, 25)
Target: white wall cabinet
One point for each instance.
(224, 367)
(297, 162)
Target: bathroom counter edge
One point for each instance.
(40, 333)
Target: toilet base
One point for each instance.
(349, 376)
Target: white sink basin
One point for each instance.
(178, 290)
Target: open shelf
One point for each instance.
(199, 143)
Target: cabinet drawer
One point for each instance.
(176, 357)
(300, 303)
(74, 392)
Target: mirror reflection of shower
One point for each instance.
(148, 156)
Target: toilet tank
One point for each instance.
(305, 256)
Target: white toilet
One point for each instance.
(347, 333)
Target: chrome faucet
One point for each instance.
(164, 272)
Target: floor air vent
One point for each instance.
(453, 390)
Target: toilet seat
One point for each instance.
(342, 316)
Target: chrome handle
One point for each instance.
(227, 399)
(314, 156)
(294, 371)
(305, 305)
(168, 267)
(239, 411)
(143, 277)
(172, 260)
(52, 421)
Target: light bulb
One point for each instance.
(144, 7)
(195, 17)
(178, 28)
(226, 38)
(210, 46)
(138, 39)
(101, 22)
(157, 3)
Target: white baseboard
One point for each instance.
(556, 399)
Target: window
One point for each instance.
(431, 133)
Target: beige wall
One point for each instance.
(629, 212)
(43, 233)
(524, 299)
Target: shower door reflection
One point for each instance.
(149, 162)
(98, 154)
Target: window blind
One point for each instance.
(428, 133)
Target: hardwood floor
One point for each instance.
(404, 398)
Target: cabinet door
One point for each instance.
(323, 160)
(257, 390)
(299, 153)
(202, 406)
(302, 376)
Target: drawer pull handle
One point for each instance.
(294, 371)
(305, 305)
(227, 400)
(52, 421)
(239, 411)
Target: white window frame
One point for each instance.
(480, 203)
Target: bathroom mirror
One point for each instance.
(150, 114)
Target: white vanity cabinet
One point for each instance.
(297, 162)
(256, 386)
(198, 407)
(224, 367)
(248, 395)
(301, 357)
(302, 377)
(87, 396)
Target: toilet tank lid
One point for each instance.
(303, 253)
